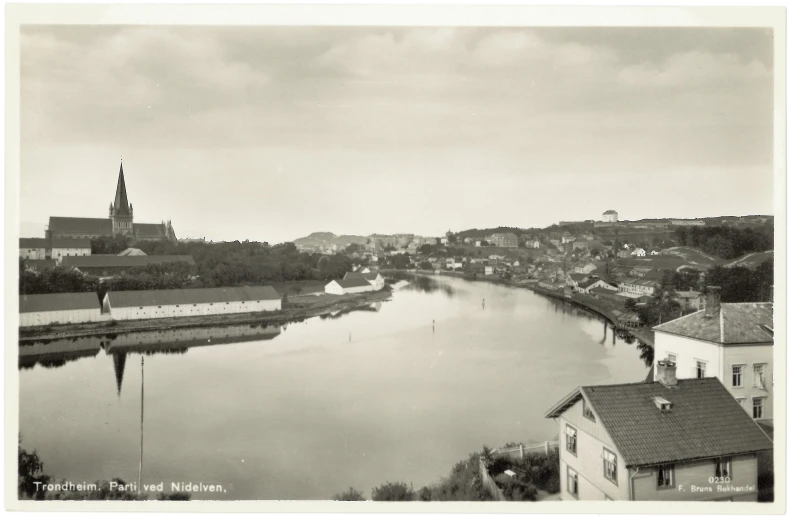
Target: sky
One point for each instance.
(272, 133)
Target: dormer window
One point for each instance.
(663, 404)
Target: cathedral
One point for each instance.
(119, 222)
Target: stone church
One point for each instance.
(119, 222)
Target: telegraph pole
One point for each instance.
(142, 405)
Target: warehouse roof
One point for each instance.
(347, 283)
(58, 302)
(704, 421)
(367, 276)
(185, 296)
(68, 242)
(33, 242)
(108, 261)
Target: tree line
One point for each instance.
(727, 242)
(223, 264)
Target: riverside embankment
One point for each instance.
(297, 308)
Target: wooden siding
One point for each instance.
(34, 319)
(698, 474)
(591, 438)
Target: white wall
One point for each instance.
(32, 319)
(747, 356)
(59, 253)
(333, 288)
(189, 309)
(688, 351)
(33, 253)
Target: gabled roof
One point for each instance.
(187, 296)
(705, 421)
(110, 261)
(367, 276)
(347, 283)
(610, 212)
(735, 323)
(68, 242)
(58, 302)
(80, 225)
(147, 230)
(579, 276)
(588, 283)
(33, 242)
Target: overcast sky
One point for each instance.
(270, 134)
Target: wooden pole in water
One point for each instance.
(142, 405)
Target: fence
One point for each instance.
(513, 453)
(518, 452)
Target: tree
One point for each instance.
(31, 471)
(352, 494)
(393, 492)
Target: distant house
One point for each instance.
(375, 279)
(597, 283)
(581, 245)
(623, 254)
(567, 237)
(610, 216)
(48, 309)
(348, 286)
(533, 244)
(33, 248)
(733, 342)
(585, 269)
(482, 269)
(689, 300)
(361, 269)
(640, 271)
(638, 252)
(574, 279)
(638, 287)
(556, 242)
(53, 248)
(444, 240)
(697, 436)
(655, 252)
(504, 240)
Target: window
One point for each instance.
(723, 468)
(757, 407)
(573, 482)
(740, 400)
(759, 376)
(609, 465)
(737, 376)
(673, 358)
(700, 369)
(586, 411)
(178, 306)
(570, 439)
(666, 476)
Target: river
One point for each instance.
(306, 410)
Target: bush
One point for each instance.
(393, 492)
(352, 494)
(515, 490)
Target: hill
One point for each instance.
(752, 260)
(328, 239)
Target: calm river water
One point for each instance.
(306, 410)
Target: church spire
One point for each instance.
(121, 204)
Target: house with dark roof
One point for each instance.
(119, 222)
(375, 279)
(669, 440)
(733, 342)
(60, 308)
(348, 286)
(174, 303)
(53, 248)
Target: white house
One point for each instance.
(47, 309)
(610, 216)
(348, 286)
(532, 244)
(33, 248)
(67, 247)
(638, 287)
(638, 252)
(375, 279)
(730, 341)
(655, 252)
(173, 303)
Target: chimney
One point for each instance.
(712, 301)
(666, 373)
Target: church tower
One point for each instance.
(121, 212)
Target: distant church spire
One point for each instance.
(121, 204)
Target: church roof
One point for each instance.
(80, 225)
(121, 204)
(143, 230)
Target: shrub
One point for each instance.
(515, 490)
(393, 492)
(352, 494)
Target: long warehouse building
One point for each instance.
(49, 309)
(173, 303)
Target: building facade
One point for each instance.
(604, 456)
(730, 341)
(348, 286)
(610, 216)
(61, 308)
(119, 222)
(504, 240)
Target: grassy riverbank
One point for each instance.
(295, 309)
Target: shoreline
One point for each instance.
(642, 334)
(298, 309)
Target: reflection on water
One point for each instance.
(427, 284)
(354, 399)
(57, 353)
(373, 307)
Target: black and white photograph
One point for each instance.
(491, 258)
